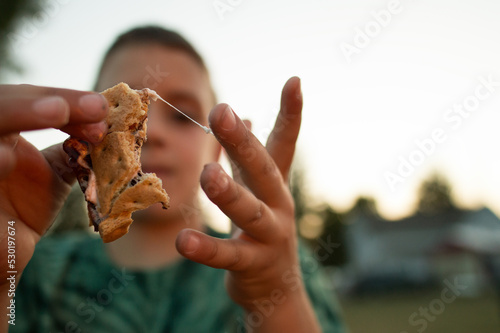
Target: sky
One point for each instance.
(393, 90)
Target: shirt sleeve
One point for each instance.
(321, 293)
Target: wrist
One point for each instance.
(285, 310)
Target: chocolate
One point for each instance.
(81, 163)
(94, 217)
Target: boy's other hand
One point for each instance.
(34, 184)
(261, 258)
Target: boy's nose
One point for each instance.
(156, 133)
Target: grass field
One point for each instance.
(391, 314)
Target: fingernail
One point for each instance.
(299, 91)
(53, 109)
(96, 132)
(192, 244)
(228, 119)
(222, 180)
(92, 105)
(218, 185)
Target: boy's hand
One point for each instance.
(34, 184)
(261, 258)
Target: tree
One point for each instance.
(298, 190)
(333, 240)
(435, 195)
(11, 12)
(365, 205)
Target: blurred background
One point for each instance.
(397, 179)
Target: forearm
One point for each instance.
(4, 304)
(290, 312)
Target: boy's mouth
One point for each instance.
(160, 171)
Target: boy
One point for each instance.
(141, 283)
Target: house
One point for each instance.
(422, 250)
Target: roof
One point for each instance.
(473, 230)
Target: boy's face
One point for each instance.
(176, 149)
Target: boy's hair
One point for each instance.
(148, 35)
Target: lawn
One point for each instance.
(391, 314)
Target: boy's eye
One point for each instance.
(180, 118)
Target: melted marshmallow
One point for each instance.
(154, 96)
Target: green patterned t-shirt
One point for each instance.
(70, 285)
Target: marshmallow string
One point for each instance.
(155, 95)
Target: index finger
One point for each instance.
(85, 106)
(256, 166)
